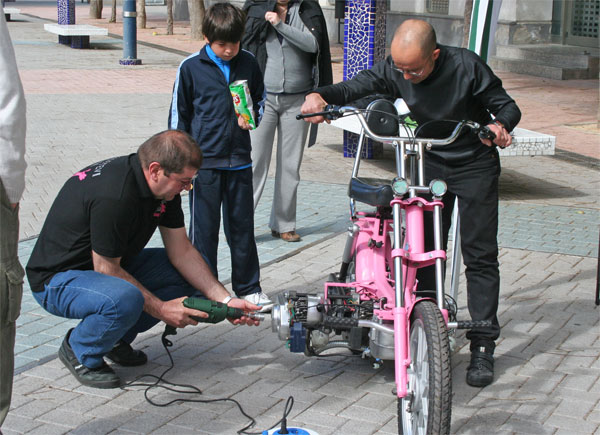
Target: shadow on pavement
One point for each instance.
(519, 186)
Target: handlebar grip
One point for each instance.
(330, 112)
(486, 133)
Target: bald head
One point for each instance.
(414, 50)
(415, 34)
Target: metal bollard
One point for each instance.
(129, 34)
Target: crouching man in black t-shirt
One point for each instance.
(89, 261)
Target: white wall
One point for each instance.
(526, 10)
(534, 10)
(456, 8)
(414, 6)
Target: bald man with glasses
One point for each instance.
(439, 82)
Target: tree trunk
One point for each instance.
(141, 14)
(197, 9)
(95, 9)
(113, 13)
(169, 17)
(467, 21)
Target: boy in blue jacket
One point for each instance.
(202, 105)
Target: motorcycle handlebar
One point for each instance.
(332, 112)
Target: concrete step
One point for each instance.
(539, 69)
(552, 54)
(560, 62)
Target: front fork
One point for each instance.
(413, 246)
(401, 355)
(412, 252)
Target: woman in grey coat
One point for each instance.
(289, 40)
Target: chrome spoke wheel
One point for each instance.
(426, 408)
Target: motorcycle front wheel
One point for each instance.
(427, 407)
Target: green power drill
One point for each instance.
(217, 311)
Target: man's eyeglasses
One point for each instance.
(414, 73)
(185, 183)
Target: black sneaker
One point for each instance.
(101, 377)
(123, 354)
(480, 372)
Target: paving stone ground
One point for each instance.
(83, 107)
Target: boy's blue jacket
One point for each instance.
(202, 106)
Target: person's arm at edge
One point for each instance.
(507, 116)
(12, 121)
(496, 100)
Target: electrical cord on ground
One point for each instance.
(160, 382)
(289, 404)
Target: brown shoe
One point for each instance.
(289, 236)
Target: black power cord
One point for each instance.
(160, 382)
(281, 423)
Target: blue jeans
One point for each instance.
(108, 306)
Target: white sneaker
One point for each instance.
(260, 299)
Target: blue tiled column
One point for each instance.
(66, 15)
(364, 45)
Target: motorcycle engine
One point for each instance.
(312, 324)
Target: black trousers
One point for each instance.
(475, 184)
(232, 191)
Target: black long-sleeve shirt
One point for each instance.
(460, 87)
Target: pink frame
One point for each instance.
(373, 281)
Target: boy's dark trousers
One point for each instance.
(233, 190)
(475, 184)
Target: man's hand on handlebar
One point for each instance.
(314, 103)
(503, 138)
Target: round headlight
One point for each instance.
(400, 186)
(438, 187)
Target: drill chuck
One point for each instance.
(256, 316)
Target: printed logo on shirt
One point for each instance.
(100, 165)
(160, 210)
(81, 174)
